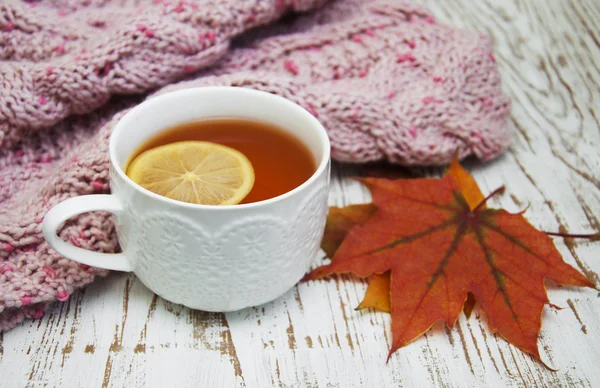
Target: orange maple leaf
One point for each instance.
(439, 242)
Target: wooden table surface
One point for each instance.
(116, 333)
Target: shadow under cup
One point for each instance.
(213, 258)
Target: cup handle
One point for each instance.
(72, 207)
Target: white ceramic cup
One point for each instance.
(213, 258)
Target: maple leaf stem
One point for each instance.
(499, 190)
(591, 236)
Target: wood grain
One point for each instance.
(117, 333)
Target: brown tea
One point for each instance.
(281, 162)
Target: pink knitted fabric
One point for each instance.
(386, 80)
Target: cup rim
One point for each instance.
(130, 116)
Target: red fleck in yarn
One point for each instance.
(431, 100)
(75, 241)
(311, 109)
(97, 185)
(430, 91)
(487, 101)
(405, 57)
(212, 37)
(49, 272)
(291, 67)
(62, 295)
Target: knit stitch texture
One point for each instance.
(387, 81)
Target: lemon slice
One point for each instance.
(195, 172)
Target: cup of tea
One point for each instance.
(214, 257)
